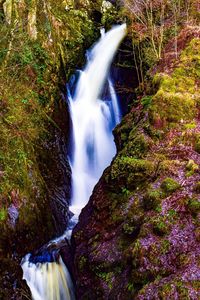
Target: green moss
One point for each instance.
(197, 143)
(167, 290)
(173, 107)
(134, 218)
(78, 234)
(172, 214)
(165, 246)
(194, 205)
(129, 171)
(158, 209)
(190, 125)
(82, 263)
(118, 198)
(126, 192)
(124, 136)
(152, 198)
(21, 126)
(136, 252)
(160, 225)
(32, 74)
(191, 168)
(129, 228)
(177, 95)
(169, 185)
(117, 217)
(130, 287)
(106, 277)
(167, 166)
(183, 290)
(3, 214)
(184, 259)
(137, 145)
(103, 272)
(146, 101)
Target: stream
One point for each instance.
(93, 118)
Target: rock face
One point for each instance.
(55, 167)
(138, 237)
(41, 44)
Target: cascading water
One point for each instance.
(49, 280)
(93, 120)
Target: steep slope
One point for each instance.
(138, 237)
(41, 44)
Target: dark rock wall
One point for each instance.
(55, 167)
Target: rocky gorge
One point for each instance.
(138, 236)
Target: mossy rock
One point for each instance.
(194, 205)
(160, 225)
(133, 224)
(130, 171)
(129, 228)
(177, 95)
(136, 212)
(83, 261)
(137, 145)
(152, 198)
(173, 107)
(169, 185)
(191, 168)
(197, 144)
(136, 249)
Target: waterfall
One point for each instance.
(93, 120)
(49, 280)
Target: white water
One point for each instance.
(93, 149)
(93, 120)
(48, 280)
